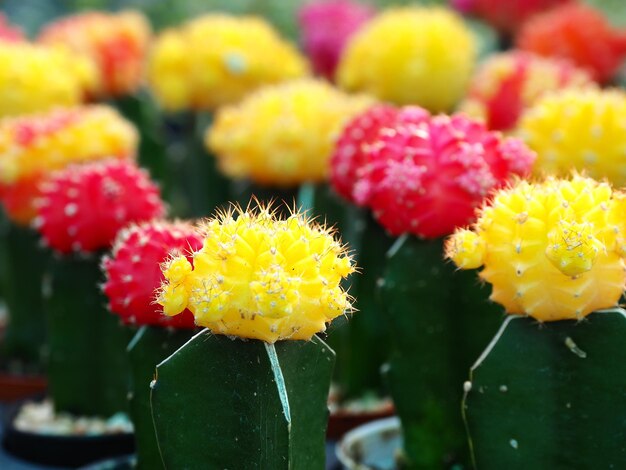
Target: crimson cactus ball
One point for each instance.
(83, 207)
(133, 271)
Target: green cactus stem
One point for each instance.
(88, 369)
(149, 347)
(142, 111)
(431, 309)
(196, 187)
(230, 403)
(22, 264)
(551, 395)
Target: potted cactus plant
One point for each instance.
(79, 213)
(133, 274)
(421, 177)
(257, 378)
(31, 147)
(194, 69)
(554, 253)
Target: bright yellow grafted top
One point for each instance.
(552, 250)
(217, 59)
(411, 55)
(284, 134)
(581, 130)
(260, 277)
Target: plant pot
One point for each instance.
(128, 462)
(374, 446)
(343, 420)
(63, 450)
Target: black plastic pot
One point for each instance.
(64, 451)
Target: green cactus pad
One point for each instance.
(149, 347)
(88, 367)
(22, 262)
(550, 396)
(224, 402)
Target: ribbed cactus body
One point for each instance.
(22, 262)
(234, 404)
(149, 347)
(550, 396)
(439, 321)
(88, 368)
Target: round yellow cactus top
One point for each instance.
(36, 144)
(260, 277)
(552, 250)
(411, 55)
(38, 78)
(283, 134)
(217, 59)
(578, 129)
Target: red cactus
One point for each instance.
(505, 15)
(133, 271)
(427, 176)
(83, 207)
(9, 32)
(579, 33)
(326, 27)
(349, 155)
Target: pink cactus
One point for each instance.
(9, 32)
(83, 207)
(133, 271)
(427, 176)
(326, 27)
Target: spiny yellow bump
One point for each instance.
(578, 129)
(39, 143)
(466, 249)
(552, 250)
(217, 59)
(282, 134)
(572, 248)
(411, 55)
(260, 277)
(38, 78)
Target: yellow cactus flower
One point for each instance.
(34, 145)
(578, 129)
(116, 44)
(260, 277)
(283, 134)
(217, 59)
(552, 250)
(37, 78)
(411, 55)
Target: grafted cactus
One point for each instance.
(79, 214)
(280, 375)
(553, 251)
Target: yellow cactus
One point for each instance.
(41, 143)
(411, 55)
(260, 277)
(217, 59)
(552, 250)
(282, 134)
(115, 43)
(37, 78)
(578, 129)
